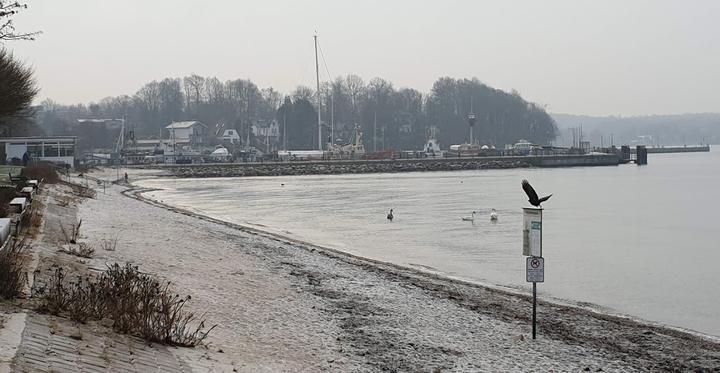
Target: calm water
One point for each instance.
(635, 240)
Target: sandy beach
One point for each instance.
(282, 305)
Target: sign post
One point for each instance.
(532, 248)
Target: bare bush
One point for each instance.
(55, 295)
(32, 217)
(85, 192)
(12, 269)
(74, 234)
(41, 171)
(36, 215)
(64, 201)
(137, 303)
(109, 245)
(82, 250)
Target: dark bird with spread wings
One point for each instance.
(532, 196)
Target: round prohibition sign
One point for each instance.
(535, 263)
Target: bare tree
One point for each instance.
(303, 93)
(7, 29)
(356, 89)
(194, 85)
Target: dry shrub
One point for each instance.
(84, 192)
(65, 200)
(41, 170)
(12, 264)
(109, 245)
(36, 214)
(82, 250)
(32, 217)
(137, 303)
(55, 295)
(81, 190)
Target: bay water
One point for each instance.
(635, 240)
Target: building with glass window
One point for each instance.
(56, 149)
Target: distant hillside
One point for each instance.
(677, 129)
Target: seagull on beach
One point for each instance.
(390, 215)
(532, 195)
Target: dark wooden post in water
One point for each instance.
(625, 153)
(641, 155)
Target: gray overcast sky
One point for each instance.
(583, 57)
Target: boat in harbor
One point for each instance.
(432, 147)
(352, 150)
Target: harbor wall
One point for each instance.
(382, 166)
(679, 149)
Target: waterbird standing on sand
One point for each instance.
(390, 215)
(493, 215)
(532, 196)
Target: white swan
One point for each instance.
(493, 215)
(469, 218)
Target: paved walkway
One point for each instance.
(54, 344)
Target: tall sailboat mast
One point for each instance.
(319, 102)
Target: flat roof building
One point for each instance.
(56, 149)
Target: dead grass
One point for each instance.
(137, 303)
(13, 277)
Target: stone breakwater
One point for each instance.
(334, 167)
(380, 166)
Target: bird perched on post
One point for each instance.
(532, 196)
(390, 215)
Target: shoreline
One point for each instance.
(285, 305)
(338, 254)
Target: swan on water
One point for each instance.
(469, 218)
(390, 215)
(493, 215)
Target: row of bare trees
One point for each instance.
(389, 117)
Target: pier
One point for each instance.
(679, 149)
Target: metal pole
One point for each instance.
(317, 76)
(375, 133)
(534, 309)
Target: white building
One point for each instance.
(56, 149)
(266, 130)
(231, 136)
(191, 132)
